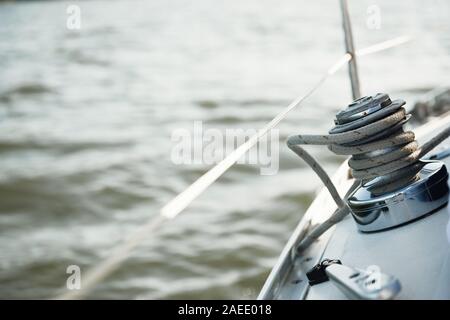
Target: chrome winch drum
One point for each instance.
(375, 212)
(420, 191)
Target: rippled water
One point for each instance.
(86, 119)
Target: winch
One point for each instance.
(396, 185)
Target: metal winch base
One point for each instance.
(375, 212)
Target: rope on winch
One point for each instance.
(371, 131)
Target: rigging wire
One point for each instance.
(182, 200)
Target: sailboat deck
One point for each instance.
(418, 253)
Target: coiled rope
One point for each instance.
(371, 131)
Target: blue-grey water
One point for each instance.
(86, 118)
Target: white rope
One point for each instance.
(181, 201)
(383, 45)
